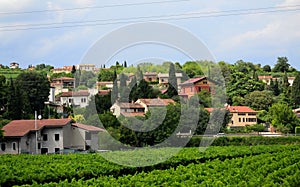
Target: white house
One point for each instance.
(47, 136)
(163, 78)
(139, 108)
(86, 67)
(79, 99)
(14, 65)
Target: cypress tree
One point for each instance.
(172, 83)
(296, 91)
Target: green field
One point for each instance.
(272, 165)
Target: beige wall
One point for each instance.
(242, 119)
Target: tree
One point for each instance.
(3, 93)
(115, 90)
(282, 65)
(125, 64)
(192, 69)
(73, 69)
(259, 100)
(172, 84)
(35, 89)
(283, 116)
(13, 109)
(267, 68)
(295, 94)
(106, 75)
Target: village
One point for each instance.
(60, 128)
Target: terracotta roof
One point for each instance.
(156, 102)
(193, 80)
(243, 109)
(88, 127)
(132, 114)
(265, 77)
(64, 79)
(234, 109)
(74, 94)
(130, 105)
(18, 128)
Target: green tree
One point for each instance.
(295, 94)
(259, 100)
(13, 109)
(256, 128)
(282, 65)
(283, 116)
(192, 69)
(37, 87)
(3, 93)
(106, 75)
(172, 84)
(267, 68)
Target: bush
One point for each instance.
(244, 141)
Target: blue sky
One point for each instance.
(256, 37)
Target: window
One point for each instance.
(88, 136)
(70, 100)
(240, 120)
(204, 82)
(56, 150)
(3, 146)
(39, 145)
(243, 119)
(45, 137)
(56, 137)
(241, 114)
(14, 147)
(83, 100)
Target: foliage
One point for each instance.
(172, 83)
(192, 69)
(229, 166)
(259, 100)
(106, 75)
(283, 116)
(282, 65)
(295, 94)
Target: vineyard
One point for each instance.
(272, 165)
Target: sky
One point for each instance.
(62, 33)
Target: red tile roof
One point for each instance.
(242, 109)
(193, 80)
(130, 105)
(18, 128)
(74, 94)
(63, 79)
(157, 102)
(234, 109)
(88, 127)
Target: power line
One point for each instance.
(154, 18)
(92, 7)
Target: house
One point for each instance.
(80, 98)
(267, 79)
(105, 85)
(127, 109)
(163, 78)
(48, 136)
(150, 77)
(138, 108)
(195, 85)
(241, 116)
(86, 67)
(14, 65)
(62, 84)
(152, 103)
(64, 69)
